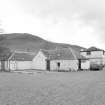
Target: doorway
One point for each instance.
(48, 65)
(2, 65)
(58, 66)
(79, 64)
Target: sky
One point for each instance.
(77, 22)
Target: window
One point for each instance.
(89, 53)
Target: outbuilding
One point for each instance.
(63, 59)
(95, 56)
(20, 60)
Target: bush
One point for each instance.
(96, 66)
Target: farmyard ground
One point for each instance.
(54, 88)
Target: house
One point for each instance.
(20, 60)
(57, 60)
(64, 59)
(94, 55)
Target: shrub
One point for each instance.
(96, 66)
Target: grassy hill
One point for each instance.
(28, 42)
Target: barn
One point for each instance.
(63, 59)
(20, 61)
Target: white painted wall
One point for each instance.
(6, 66)
(39, 62)
(20, 65)
(64, 65)
(85, 65)
(12, 65)
(96, 61)
(93, 54)
(97, 54)
(96, 57)
(103, 61)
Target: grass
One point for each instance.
(52, 88)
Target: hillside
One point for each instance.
(28, 42)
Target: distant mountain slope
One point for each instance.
(28, 42)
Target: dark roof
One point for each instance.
(93, 49)
(78, 56)
(22, 56)
(61, 54)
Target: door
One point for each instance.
(79, 64)
(58, 66)
(48, 65)
(2, 65)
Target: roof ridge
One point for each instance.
(54, 49)
(23, 52)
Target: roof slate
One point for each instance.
(93, 49)
(62, 54)
(22, 56)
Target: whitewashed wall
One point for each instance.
(85, 65)
(103, 61)
(93, 54)
(12, 65)
(97, 61)
(97, 54)
(20, 65)
(6, 65)
(64, 65)
(39, 62)
(96, 57)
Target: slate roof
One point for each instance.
(62, 54)
(22, 56)
(93, 49)
(78, 56)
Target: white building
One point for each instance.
(63, 59)
(20, 61)
(94, 55)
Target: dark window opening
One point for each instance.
(89, 53)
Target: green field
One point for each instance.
(44, 88)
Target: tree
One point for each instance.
(4, 53)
